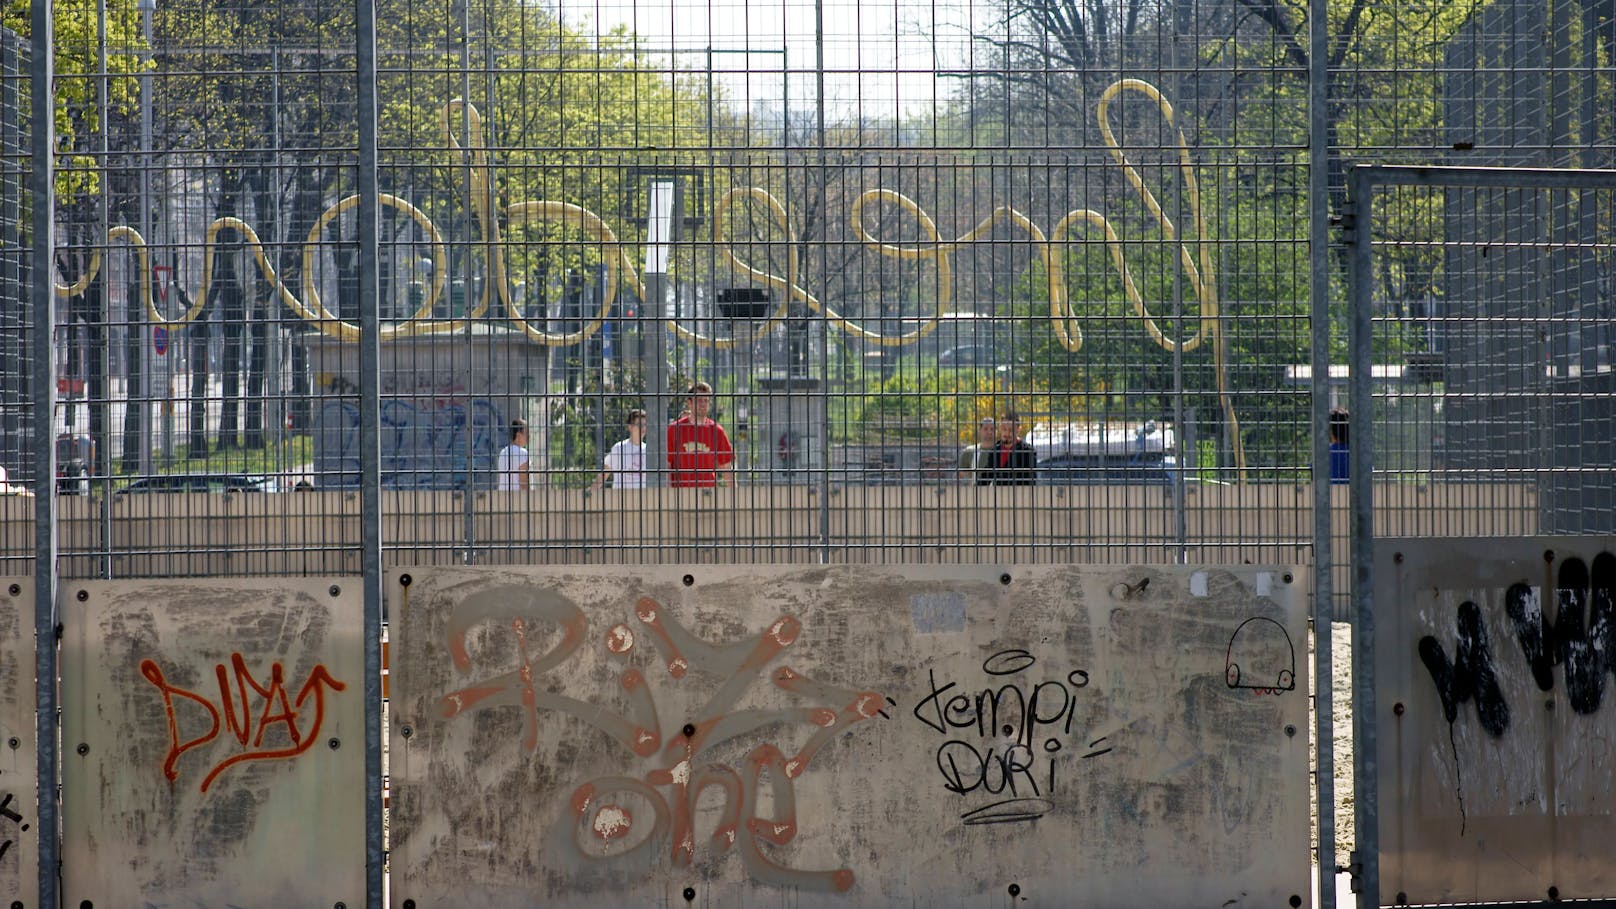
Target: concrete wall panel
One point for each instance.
(19, 790)
(213, 743)
(1496, 718)
(849, 736)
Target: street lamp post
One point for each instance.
(660, 222)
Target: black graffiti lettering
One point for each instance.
(931, 698)
(1008, 738)
(1526, 613)
(1582, 637)
(10, 814)
(960, 714)
(1062, 714)
(1009, 811)
(965, 770)
(987, 711)
(1008, 662)
(1471, 675)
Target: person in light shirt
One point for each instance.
(698, 448)
(625, 463)
(512, 469)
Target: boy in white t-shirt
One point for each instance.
(625, 463)
(511, 470)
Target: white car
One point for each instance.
(1091, 454)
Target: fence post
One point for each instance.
(1359, 235)
(1318, 191)
(42, 294)
(370, 441)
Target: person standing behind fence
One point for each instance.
(973, 457)
(625, 463)
(1340, 452)
(1011, 461)
(698, 448)
(512, 467)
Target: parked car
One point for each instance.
(1073, 454)
(75, 463)
(203, 482)
(1155, 470)
(968, 356)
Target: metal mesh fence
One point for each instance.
(16, 331)
(1505, 386)
(872, 232)
(1011, 281)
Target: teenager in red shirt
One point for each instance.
(697, 446)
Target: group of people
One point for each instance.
(1000, 456)
(700, 454)
(699, 451)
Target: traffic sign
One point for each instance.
(159, 339)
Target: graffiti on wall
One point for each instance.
(13, 826)
(625, 819)
(1261, 658)
(850, 735)
(1492, 695)
(1580, 639)
(1007, 736)
(250, 710)
(207, 724)
(18, 783)
(426, 442)
(1576, 644)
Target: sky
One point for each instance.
(880, 56)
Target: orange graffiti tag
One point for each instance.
(627, 818)
(261, 706)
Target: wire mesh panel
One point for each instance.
(875, 246)
(1503, 385)
(17, 372)
(206, 153)
(1502, 382)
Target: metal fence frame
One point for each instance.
(1358, 235)
(1364, 181)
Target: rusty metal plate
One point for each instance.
(848, 736)
(213, 749)
(19, 788)
(1496, 718)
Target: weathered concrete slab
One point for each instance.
(848, 736)
(19, 789)
(1497, 718)
(213, 743)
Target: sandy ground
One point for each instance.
(1341, 704)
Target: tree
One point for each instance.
(86, 118)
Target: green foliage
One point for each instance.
(78, 46)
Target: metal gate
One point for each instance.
(1506, 390)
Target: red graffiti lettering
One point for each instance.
(250, 709)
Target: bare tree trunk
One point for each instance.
(231, 303)
(305, 211)
(260, 299)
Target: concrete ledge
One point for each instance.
(319, 532)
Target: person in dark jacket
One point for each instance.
(1011, 461)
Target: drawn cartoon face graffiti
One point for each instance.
(1261, 657)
